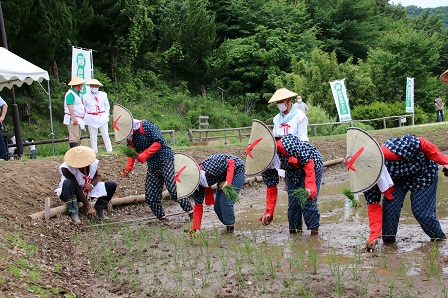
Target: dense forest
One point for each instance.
(168, 60)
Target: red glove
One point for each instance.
(310, 178)
(375, 213)
(271, 201)
(294, 161)
(209, 197)
(129, 166)
(432, 152)
(142, 157)
(198, 210)
(230, 171)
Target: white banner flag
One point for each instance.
(409, 95)
(341, 100)
(82, 65)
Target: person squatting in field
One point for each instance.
(80, 179)
(304, 166)
(226, 170)
(412, 163)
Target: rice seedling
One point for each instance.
(301, 194)
(433, 262)
(354, 200)
(312, 255)
(231, 194)
(129, 152)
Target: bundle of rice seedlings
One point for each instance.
(129, 152)
(231, 194)
(301, 194)
(355, 203)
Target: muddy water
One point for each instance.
(344, 229)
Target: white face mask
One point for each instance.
(282, 107)
(94, 90)
(299, 100)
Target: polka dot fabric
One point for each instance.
(415, 170)
(144, 140)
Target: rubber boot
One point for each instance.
(314, 231)
(99, 207)
(73, 210)
(73, 144)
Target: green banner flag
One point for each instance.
(341, 99)
(409, 95)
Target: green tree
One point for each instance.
(403, 53)
(186, 34)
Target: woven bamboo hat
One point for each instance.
(94, 82)
(122, 123)
(261, 149)
(364, 160)
(79, 156)
(282, 94)
(444, 77)
(187, 174)
(76, 81)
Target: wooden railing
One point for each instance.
(201, 135)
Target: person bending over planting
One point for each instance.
(228, 171)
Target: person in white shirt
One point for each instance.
(74, 111)
(97, 115)
(290, 120)
(301, 105)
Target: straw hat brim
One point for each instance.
(94, 82)
(368, 160)
(261, 149)
(444, 77)
(76, 81)
(186, 174)
(282, 94)
(79, 156)
(122, 123)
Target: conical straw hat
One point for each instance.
(444, 77)
(281, 94)
(364, 160)
(76, 81)
(122, 123)
(187, 174)
(261, 149)
(79, 157)
(94, 82)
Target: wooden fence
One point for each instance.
(201, 135)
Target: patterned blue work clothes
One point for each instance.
(415, 173)
(215, 167)
(143, 141)
(295, 178)
(309, 211)
(160, 169)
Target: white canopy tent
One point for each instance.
(14, 71)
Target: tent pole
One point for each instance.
(51, 118)
(15, 109)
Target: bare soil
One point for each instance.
(25, 185)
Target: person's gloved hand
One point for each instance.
(90, 210)
(129, 166)
(142, 157)
(266, 219)
(370, 245)
(445, 170)
(310, 194)
(221, 185)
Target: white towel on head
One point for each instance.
(385, 181)
(202, 179)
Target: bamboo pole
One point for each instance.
(141, 198)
